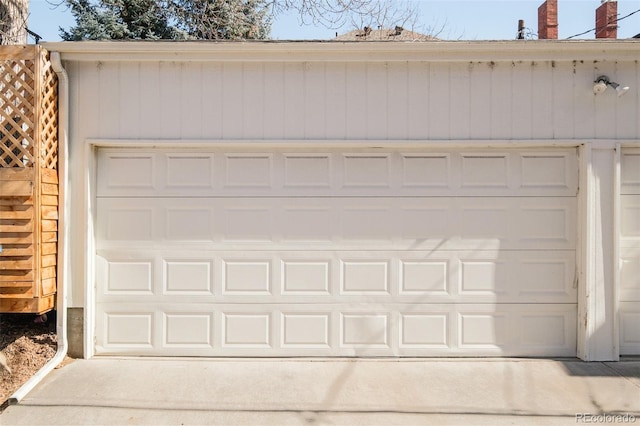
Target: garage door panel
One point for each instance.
(431, 276)
(630, 171)
(128, 172)
(333, 276)
(248, 277)
(427, 170)
(188, 330)
(246, 330)
(186, 171)
(307, 170)
(184, 277)
(250, 170)
(131, 329)
(191, 172)
(630, 220)
(308, 330)
(126, 276)
(630, 274)
(548, 170)
(629, 288)
(322, 252)
(507, 223)
(309, 277)
(338, 330)
(629, 328)
(425, 330)
(135, 223)
(181, 223)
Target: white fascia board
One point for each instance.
(327, 51)
(364, 143)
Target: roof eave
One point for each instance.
(346, 51)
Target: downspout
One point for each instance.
(61, 300)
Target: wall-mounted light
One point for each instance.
(601, 83)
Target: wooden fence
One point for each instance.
(28, 180)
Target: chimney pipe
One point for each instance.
(548, 20)
(607, 20)
(520, 29)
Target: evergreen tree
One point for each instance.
(223, 19)
(167, 19)
(118, 20)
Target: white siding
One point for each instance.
(397, 100)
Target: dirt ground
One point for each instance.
(27, 346)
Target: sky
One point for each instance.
(448, 19)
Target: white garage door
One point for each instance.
(630, 253)
(336, 253)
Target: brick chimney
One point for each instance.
(548, 20)
(607, 20)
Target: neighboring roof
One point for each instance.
(396, 34)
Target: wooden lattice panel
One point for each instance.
(28, 108)
(28, 180)
(17, 113)
(48, 123)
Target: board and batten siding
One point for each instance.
(352, 100)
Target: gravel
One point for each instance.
(27, 346)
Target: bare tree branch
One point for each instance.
(13, 21)
(338, 13)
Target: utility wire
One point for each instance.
(598, 28)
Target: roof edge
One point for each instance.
(357, 51)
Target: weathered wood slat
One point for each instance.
(49, 200)
(17, 174)
(49, 237)
(48, 248)
(14, 225)
(16, 201)
(16, 250)
(16, 188)
(49, 212)
(48, 286)
(4, 284)
(49, 272)
(49, 260)
(49, 225)
(15, 292)
(17, 52)
(33, 305)
(16, 212)
(49, 176)
(20, 275)
(16, 238)
(9, 263)
(49, 189)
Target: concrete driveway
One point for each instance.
(326, 392)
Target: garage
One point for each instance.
(312, 199)
(341, 251)
(629, 294)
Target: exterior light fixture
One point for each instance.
(601, 83)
